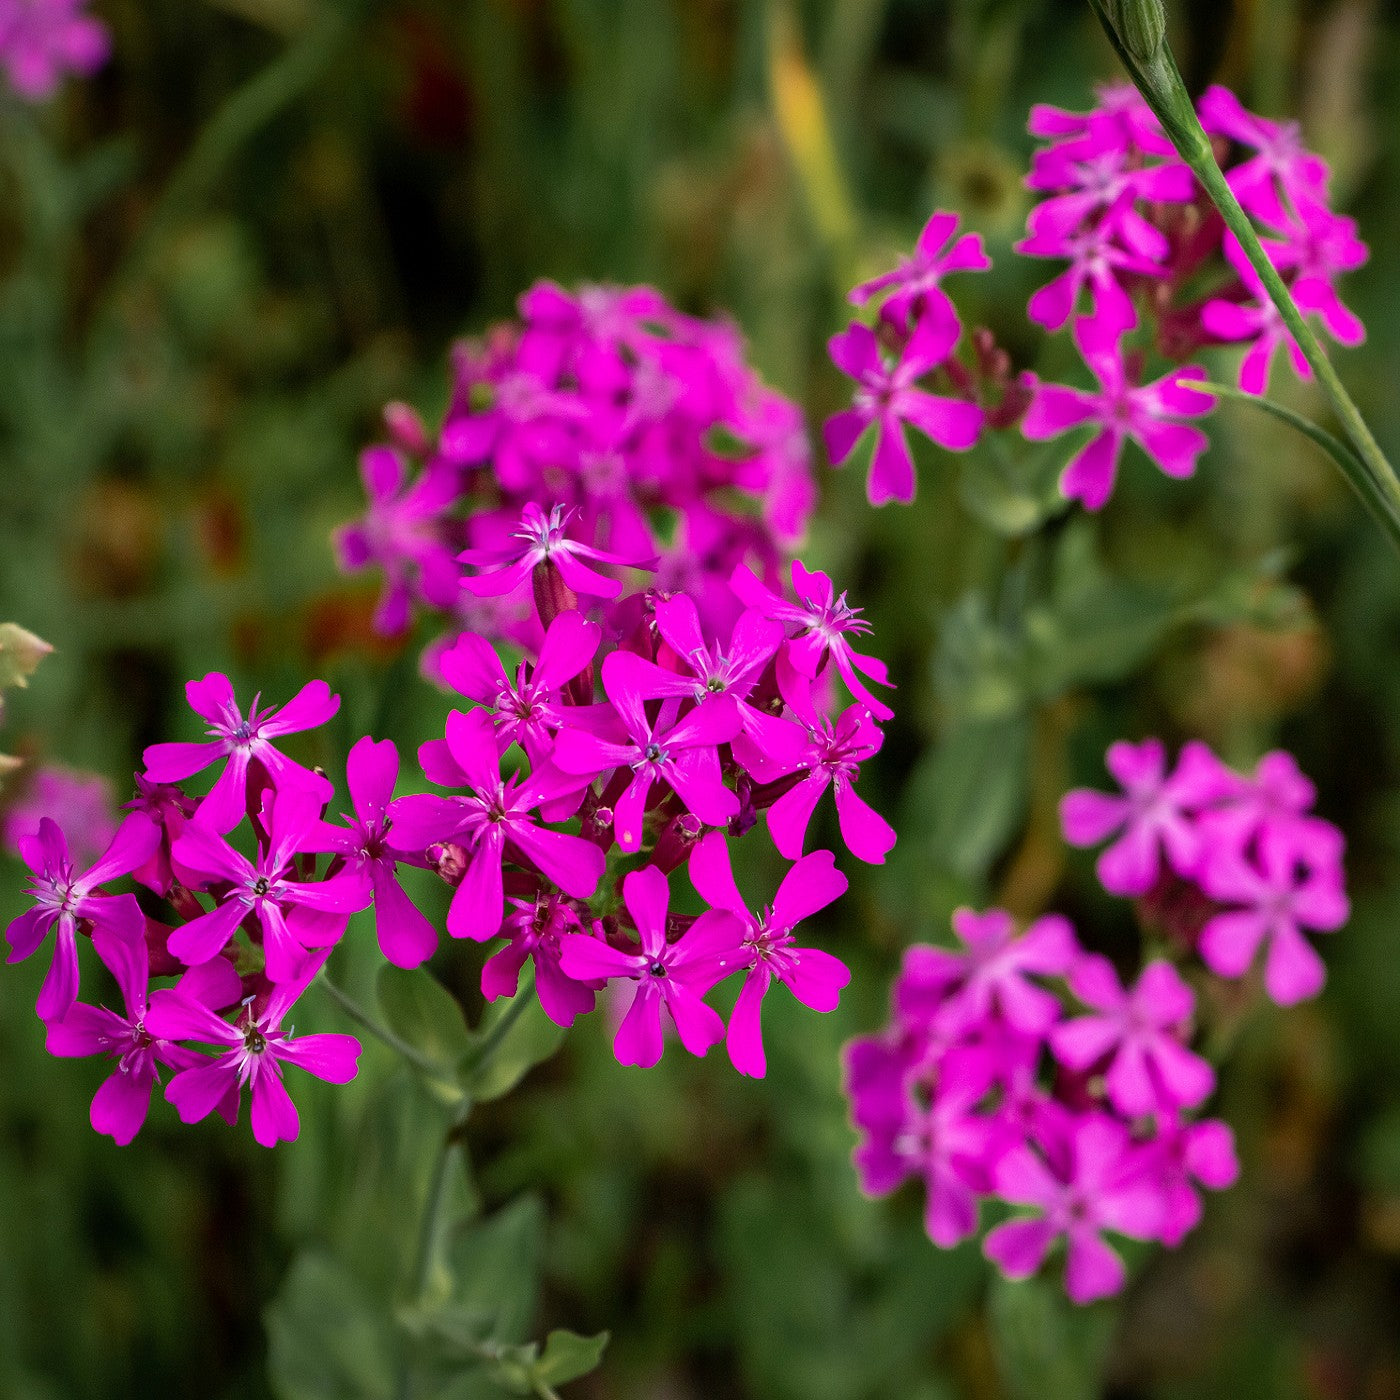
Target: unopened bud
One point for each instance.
(1141, 26)
(406, 429)
(449, 860)
(20, 653)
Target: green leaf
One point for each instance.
(1046, 1345)
(1012, 496)
(325, 1340)
(495, 1266)
(567, 1356)
(420, 1010)
(518, 1035)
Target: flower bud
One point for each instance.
(20, 654)
(1141, 26)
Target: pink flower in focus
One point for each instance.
(243, 742)
(252, 1053)
(815, 978)
(1119, 411)
(888, 398)
(534, 931)
(1139, 1034)
(120, 1106)
(64, 899)
(674, 975)
(914, 288)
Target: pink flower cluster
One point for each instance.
(990, 1084)
(645, 427)
(1226, 863)
(652, 735)
(1152, 274)
(41, 41)
(241, 936)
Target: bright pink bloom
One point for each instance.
(815, 978)
(542, 539)
(1138, 1034)
(403, 531)
(252, 1051)
(121, 1104)
(915, 290)
(492, 822)
(268, 889)
(833, 761)
(528, 711)
(1183, 1153)
(1293, 884)
(65, 899)
(170, 809)
(1154, 815)
(888, 398)
(42, 40)
(1092, 1182)
(679, 753)
(1119, 411)
(406, 936)
(825, 621)
(535, 930)
(243, 742)
(674, 975)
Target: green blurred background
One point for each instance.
(264, 218)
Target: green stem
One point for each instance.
(1352, 467)
(502, 1028)
(1159, 80)
(381, 1032)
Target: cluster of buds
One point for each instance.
(1153, 275)
(1021, 1068)
(645, 426)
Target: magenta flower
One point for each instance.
(42, 40)
(1138, 1034)
(1281, 174)
(403, 532)
(952, 1148)
(252, 1051)
(1094, 1181)
(815, 978)
(887, 397)
(535, 930)
(833, 761)
(680, 753)
(65, 899)
(915, 290)
(242, 742)
(674, 975)
(1279, 798)
(120, 1106)
(80, 804)
(406, 936)
(1292, 885)
(1183, 1153)
(991, 978)
(1120, 411)
(170, 809)
(767, 745)
(528, 711)
(269, 890)
(1153, 816)
(492, 822)
(540, 539)
(824, 622)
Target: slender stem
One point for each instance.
(1159, 80)
(1353, 468)
(381, 1032)
(493, 1042)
